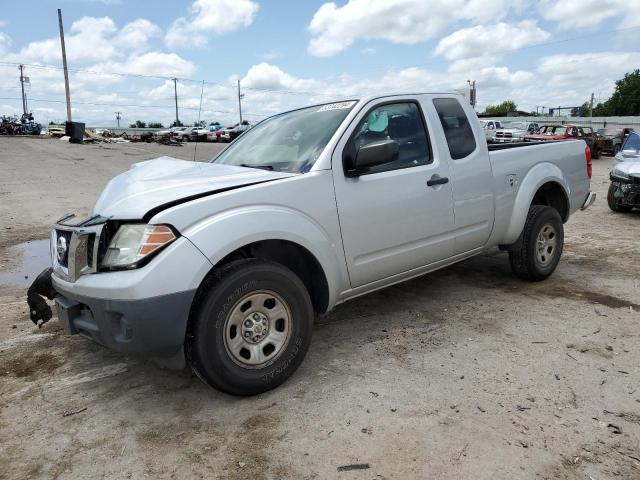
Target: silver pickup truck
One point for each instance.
(226, 264)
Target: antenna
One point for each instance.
(195, 149)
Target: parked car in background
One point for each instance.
(217, 135)
(212, 134)
(515, 131)
(231, 134)
(624, 190)
(224, 265)
(183, 133)
(610, 140)
(490, 127)
(199, 134)
(554, 133)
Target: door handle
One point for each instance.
(435, 180)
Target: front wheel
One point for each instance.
(536, 254)
(251, 327)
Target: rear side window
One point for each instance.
(457, 129)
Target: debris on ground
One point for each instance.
(353, 466)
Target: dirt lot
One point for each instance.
(467, 373)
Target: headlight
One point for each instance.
(133, 243)
(620, 174)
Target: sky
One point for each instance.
(122, 54)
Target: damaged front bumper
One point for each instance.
(626, 191)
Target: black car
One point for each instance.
(610, 140)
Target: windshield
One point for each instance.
(632, 142)
(290, 142)
(609, 131)
(516, 125)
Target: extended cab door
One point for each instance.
(471, 174)
(398, 215)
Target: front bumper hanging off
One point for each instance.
(39, 311)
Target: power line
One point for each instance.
(96, 104)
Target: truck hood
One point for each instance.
(166, 181)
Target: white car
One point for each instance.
(490, 127)
(224, 265)
(515, 132)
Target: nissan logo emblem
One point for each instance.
(61, 248)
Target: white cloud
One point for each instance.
(368, 51)
(90, 39)
(490, 10)
(335, 28)
(150, 63)
(5, 43)
(570, 14)
(493, 40)
(209, 18)
(567, 69)
(135, 36)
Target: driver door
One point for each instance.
(397, 216)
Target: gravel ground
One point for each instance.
(464, 373)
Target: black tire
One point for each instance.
(524, 255)
(207, 336)
(616, 149)
(614, 203)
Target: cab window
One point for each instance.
(457, 129)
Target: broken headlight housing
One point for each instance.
(620, 174)
(135, 244)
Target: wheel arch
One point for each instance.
(545, 184)
(289, 254)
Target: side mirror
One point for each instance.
(376, 153)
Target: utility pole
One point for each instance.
(240, 97)
(591, 106)
(175, 94)
(24, 100)
(118, 117)
(64, 66)
(472, 92)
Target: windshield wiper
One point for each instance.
(263, 167)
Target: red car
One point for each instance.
(215, 136)
(550, 133)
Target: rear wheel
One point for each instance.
(251, 328)
(536, 254)
(614, 202)
(616, 149)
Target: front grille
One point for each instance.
(504, 134)
(64, 261)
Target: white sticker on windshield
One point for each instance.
(336, 106)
